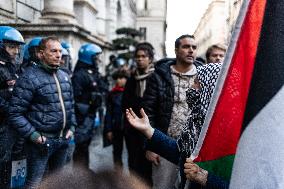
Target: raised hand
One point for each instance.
(141, 124)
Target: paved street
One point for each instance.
(101, 158)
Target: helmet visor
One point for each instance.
(15, 51)
(97, 59)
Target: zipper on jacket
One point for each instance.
(61, 102)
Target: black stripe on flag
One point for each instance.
(268, 74)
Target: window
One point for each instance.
(143, 31)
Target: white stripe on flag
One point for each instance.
(259, 161)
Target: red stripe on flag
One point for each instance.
(224, 130)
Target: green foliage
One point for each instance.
(128, 32)
(126, 55)
(123, 43)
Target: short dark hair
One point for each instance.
(43, 42)
(212, 47)
(147, 47)
(177, 42)
(120, 74)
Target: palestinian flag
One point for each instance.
(244, 85)
(259, 161)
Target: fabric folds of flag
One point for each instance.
(259, 161)
(216, 147)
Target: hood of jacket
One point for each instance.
(163, 68)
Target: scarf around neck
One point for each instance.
(198, 101)
(141, 80)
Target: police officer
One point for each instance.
(10, 44)
(31, 52)
(65, 62)
(67, 57)
(88, 88)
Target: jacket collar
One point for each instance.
(163, 68)
(47, 68)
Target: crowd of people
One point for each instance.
(47, 110)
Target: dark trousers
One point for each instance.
(52, 154)
(137, 161)
(7, 140)
(81, 154)
(70, 151)
(117, 145)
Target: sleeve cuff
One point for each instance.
(34, 136)
(72, 128)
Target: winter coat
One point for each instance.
(8, 72)
(9, 140)
(132, 100)
(113, 118)
(42, 101)
(88, 89)
(158, 99)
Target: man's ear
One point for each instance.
(176, 50)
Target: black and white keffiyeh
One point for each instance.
(198, 101)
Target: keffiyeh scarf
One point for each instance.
(198, 101)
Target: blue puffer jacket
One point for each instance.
(39, 105)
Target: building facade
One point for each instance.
(87, 21)
(212, 27)
(217, 24)
(151, 21)
(233, 7)
(73, 21)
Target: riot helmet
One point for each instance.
(9, 34)
(11, 42)
(120, 62)
(33, 48)
(65, 59)
(66, 45)
(88, 53)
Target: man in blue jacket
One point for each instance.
(42, 110)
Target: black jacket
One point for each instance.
(38, 102)
(130, 98)
(8, 72)
(114, 114)
(89, 89)
(158, 99)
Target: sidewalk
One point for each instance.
(101, 158)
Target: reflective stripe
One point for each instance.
(61, 102)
